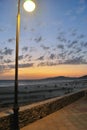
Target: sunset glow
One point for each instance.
(45, 72)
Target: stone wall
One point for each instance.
(31, 113)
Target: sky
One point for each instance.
(53, 39)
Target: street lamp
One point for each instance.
(29, 6)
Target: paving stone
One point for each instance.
(72, 117)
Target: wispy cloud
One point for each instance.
(76, 60)
(85, 44)
(52, 56)
(81, 36)
(11, 66)
(60, 46)
(39, 39)
(47, 64)
(26, 65)
(45, 47)
(78, 50)
(61, 38)
(8, 61)
(25, 48)
(2, 68)
(7, 51)
(10, 40)
(20, 57)
(72, 43)
(1, 57)
(32, 49)
(72, 61)
(40, 58)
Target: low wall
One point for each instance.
(31, 113)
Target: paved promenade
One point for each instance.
(71, 117)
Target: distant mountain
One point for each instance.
(83, 77)
(60, 78)
(65, 78)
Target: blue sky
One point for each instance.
(54, 34)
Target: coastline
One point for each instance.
(35, 92)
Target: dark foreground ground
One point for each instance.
(71, 117)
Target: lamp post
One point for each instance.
(28, 6)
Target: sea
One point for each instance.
(11, 83)
(31, 91)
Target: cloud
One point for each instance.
(25, 49)
(12, 66)
(40, 58)
(71, 61)
(26, 65)
(0, 51)
(85, 52)
(73, 34)
(81, 36)
(7, 51)
(60, 46)
(32, 49)
(20, 57)
(62, 55)
(2, 68)
(75, 60)
(8, 61)
(1, 57)
(45, 47)
(72, 44)
(61, 38)
(70, 53)
(39, 39)
(10, 40)
(25, 28)
(78, 50)
(73, 31)
(47, 64)
(27, 57)
(61, 33)
(69, 41)
(85, 44)
(52, 56)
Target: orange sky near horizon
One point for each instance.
(44, 72)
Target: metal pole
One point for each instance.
(16, 107)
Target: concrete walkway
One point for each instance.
(71, 117)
